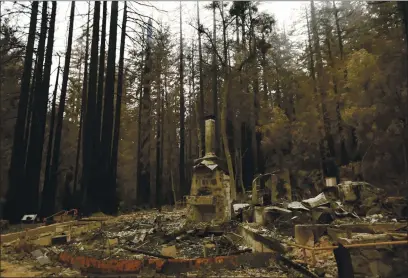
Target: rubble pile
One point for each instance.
(346, 202)
(151, 233)
(351, 213)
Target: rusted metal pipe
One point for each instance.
(357, 245)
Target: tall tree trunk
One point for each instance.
(78, 150)
(170, 154)
(49, 194)
(189, 155)
(78, 110)
(341, 49)
(101, 73)
(139, 126)
(30, 111)
(116, 130)
(159, 145)
(215, 85)
(196, 105)
(99, 97)
(237, 28)
(182, 165)
(145, 129)
(35, 147)
(161, 153)
(47, 178)
(84, 97)
(313, 75)
(107, 126)
(264, 73)
(201, 78)
(158, 178)
(329, 165)
(44, 100)
(91, 138)
(224, 109)
(343, 150)
(256, 125)
(14, 208)
(45, 86)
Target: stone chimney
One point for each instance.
(209, 135)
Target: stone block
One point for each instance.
(43, 260)
(37, 253)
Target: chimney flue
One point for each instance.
(209, 135)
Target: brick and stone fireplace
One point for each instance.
(210, 196)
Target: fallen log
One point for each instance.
(134, 250)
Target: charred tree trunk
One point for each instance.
(89, 172)
(14, 208)
(44, 100)
(29, 111)
(101, 72)
(35, 147)
(47, 178)
(84, 97)
(116, 131)
(107, 126)
(139, 126)
(49, 194)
